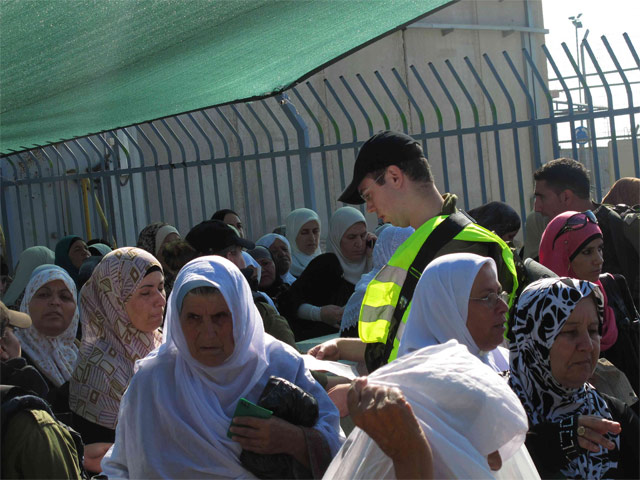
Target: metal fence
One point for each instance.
(485, 127)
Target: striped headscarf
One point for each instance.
(110, 343)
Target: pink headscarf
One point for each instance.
(557, 259)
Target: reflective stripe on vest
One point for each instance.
(382, 294)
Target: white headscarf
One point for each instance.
(175, 414)
(465, 411)
(162, 233)
(55, 357)
(389, 240)
(440, 307)
(28, 260)
(341, 220)
(295, 220)
(266, 241)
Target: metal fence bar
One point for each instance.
(172, 182)
(476, 123)
(285, 139)
(42, 198)
(254, 140)
(456, 113)
(532, 109)
(211, 155)
(563, 83)
(414, 104)
(198, 156)
(396, 105)
(156, 165)
(438, 112)
(612, 123)
(514, 133)
(590, 121)
(116, 180)
(336, 129)
(323, 156)
(183, 155)
(494, 120)
(265, 130)
(18, 201)
(108, 194)
(89, 180)
(54, 188)
(72, 229)
(302, 132)
(547, 94)
(370, 94)
(144, 183)
(132, 193)
(355, 99)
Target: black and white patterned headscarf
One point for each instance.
(543, 308)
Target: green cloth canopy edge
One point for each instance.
(75, 68)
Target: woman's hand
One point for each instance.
(93, 454)
(371, 242)
(331, 315)
(271, 435)
(594, 430)
(386, 416)
(329, 350)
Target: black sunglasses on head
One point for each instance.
(576, 222)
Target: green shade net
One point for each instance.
(73, 68)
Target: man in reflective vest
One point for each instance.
(392, 176)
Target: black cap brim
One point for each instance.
(351, 194)
(244, 243)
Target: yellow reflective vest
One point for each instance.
(381, 297)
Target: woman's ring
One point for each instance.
(581, 431)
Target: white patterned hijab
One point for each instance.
(55, 357)
(542, 310)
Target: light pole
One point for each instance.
(577, 23)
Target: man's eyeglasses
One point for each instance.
(576, 222)
(492, 299)
(364, 194)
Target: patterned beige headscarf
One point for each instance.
(110, 343)
(55, 357)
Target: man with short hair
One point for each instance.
(393, 177)
(214, 237)
(563, 185)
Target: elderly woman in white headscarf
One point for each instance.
(49, 344)
(459, 297)
(314, 305)
(176, 413)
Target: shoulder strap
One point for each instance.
(439, 237)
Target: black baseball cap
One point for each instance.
(211, 236)
(380, 151)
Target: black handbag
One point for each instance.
(291, 403)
